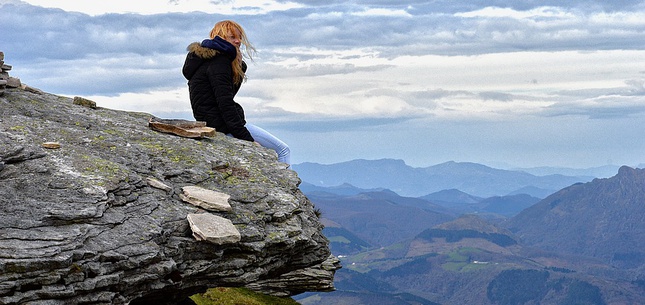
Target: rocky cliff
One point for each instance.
(95, 208)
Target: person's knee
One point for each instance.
(285, 150)
(284, 155)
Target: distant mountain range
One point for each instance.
(598, 172)
(472, 178)
(581, 244)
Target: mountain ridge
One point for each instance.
(589, 218)
(472, 178)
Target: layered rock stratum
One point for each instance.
(92, 210)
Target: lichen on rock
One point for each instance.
(100, 219)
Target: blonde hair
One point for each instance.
(227, 28)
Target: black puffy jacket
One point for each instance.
(210, 84)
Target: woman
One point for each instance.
(215, 71)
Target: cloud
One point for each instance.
(605, 103)
(334, 66)
(507, 12)
(94, 8)
(382, 12)
(99, 75)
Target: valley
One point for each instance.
(452, 247)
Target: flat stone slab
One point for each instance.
(182, 128)
(207, 199)
(158, 184)
(213, 229)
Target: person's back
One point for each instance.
(215, 71)
(212, 90)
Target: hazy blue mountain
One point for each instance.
(379, 218)
(455, 200)
(533, 191)
(451, 202)
(596, 172)
(508, 205)
(343, 189)
(472, 178)
(602, 219)
(452, 196)
(460, 202)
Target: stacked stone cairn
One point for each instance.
(7, 81)
(4, 74)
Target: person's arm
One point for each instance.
(220, 75)
(191, 64)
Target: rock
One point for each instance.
(299, 281)
(5, 80)
(212, 228)
(158, 184)
(84, 102)
(86, 224)
(13, 82)
(31, 89)
(207, 199)
(51, 145)
(182, 128)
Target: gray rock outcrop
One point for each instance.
(99, 218)
(4, 73)
(7, 81)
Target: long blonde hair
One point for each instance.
(227, 28)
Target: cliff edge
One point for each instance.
(95, 207)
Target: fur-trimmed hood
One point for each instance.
(206, 50)
(202, 52)
(217, 44)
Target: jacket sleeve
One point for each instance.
(220, 75)
(191, 64)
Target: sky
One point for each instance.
(520, 84)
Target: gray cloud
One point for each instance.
(74, 53)
(326, 125)
(604, 107)
(434, 29)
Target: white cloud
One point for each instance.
(618, 18)
(164, 6)
(534, 79)
(326, 15)
(494, 87)
(383, 12)
(498, 12)
(162, 101)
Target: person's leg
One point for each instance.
(268, 140)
